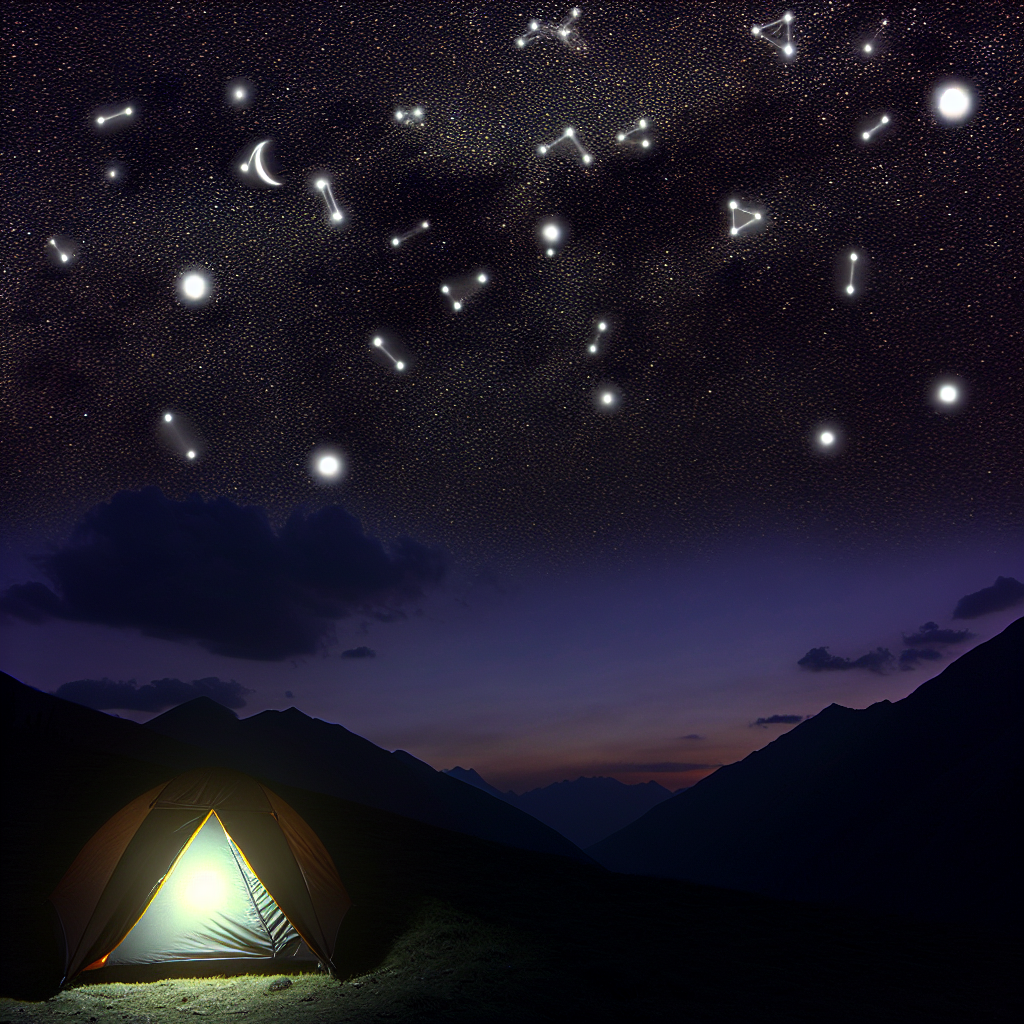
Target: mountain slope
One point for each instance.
(584, 811)
(295, 749)
(912, 807)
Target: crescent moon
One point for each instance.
(256, 157)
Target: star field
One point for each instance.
(730, 354)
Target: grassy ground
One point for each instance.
(446, 967)
(445, 927)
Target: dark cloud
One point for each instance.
(289, 694)
(909, 659)
(103, 694)
(218, 574)
(817, 659)
(658, 766)
(692, 736)
(359, 652)
(777, 720)
(930, 633)
(1004, 593)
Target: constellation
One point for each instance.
(104, 118)
(64, 256)
(176, 434)
(779, 33)
(378, 343)
(752, 217)
(403, 237)
(866, 135)
(256, 161)
(459, 291)
(870, 45)
(568, 135)
(594, 347)
(553, 236)
(633, 136)
(332, 207)
(564, 31)
(413, 115)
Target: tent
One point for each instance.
(209, 866)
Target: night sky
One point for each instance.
(535, 559)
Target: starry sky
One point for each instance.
(509, 570)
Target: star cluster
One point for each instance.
(251, 309)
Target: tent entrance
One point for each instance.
(211, 906)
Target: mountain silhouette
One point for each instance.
(290, 747)
(910, 807)
(584, 811)
(284, 746)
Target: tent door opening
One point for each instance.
(210, 906)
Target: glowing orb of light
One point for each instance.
(827, 438)
(191, 454)
(482, 278)
(948, 394)
(551, 232)
(328, 466)
(168, 417)
(606, 398)
(205, 891)
(239, 94)
(336, 215)
(954, 103)
(194, 286)
(867, 47)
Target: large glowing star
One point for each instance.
(953, 103)
(328, 466)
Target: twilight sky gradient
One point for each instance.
(581, 589)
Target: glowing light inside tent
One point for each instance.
(205, 890)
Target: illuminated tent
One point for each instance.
(209, 866)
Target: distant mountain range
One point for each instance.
(909, 807)
(585, 811)
(287, 747)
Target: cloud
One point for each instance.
(777, 720)
(289, 694)
(692, 736)
(218, 574)
(1004, 593)
(658, 766)
(359, 652)
(910, 658)
(817, 659)
(930, 633)
(103, 694)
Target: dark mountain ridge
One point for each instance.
(284, 746)
(293, 748)
(585, 810)
(910, 807)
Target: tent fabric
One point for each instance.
(260, 844)
(211, 906)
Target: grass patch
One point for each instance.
(448, 966)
